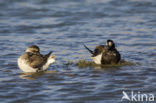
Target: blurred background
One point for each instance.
(63, 26)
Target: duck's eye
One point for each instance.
(35, 51)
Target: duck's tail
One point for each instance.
(88, 49)
(48, 55)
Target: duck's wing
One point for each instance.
(118, 56)
(35, 60)
(106, 58)
(110, 57)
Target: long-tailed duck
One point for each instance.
(105, 54)
(33, 61)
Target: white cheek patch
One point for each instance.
(97, 59)
(110, 43)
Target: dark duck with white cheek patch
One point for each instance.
(33, 61)
(105, 54)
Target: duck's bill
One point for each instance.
(88, 49)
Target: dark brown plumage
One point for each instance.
(105, 54)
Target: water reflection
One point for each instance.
(63, 25)
(33, 76)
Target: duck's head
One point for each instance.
(110, 44)
(51, 59)
(33, 49)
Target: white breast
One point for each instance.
(25, 67)
(97, 59)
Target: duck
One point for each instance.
(105, 54)
(33, 61)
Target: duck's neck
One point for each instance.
(111, 48)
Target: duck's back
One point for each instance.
(35, 60)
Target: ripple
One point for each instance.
(63, 26)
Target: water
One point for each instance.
(63, 26)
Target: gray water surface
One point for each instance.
(63, 26)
